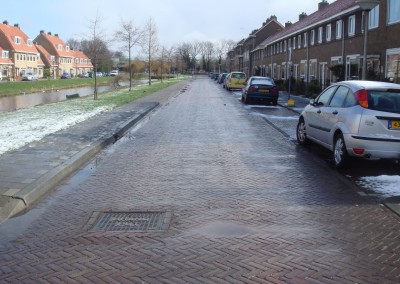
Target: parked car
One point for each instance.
(1, 76)
(354, 119)
(84, 75)
(236, 81)
(261, 89)
(114, 73)
(29, 76)
(99, 74)
(226, 80)
(221, 78)
(66, 76)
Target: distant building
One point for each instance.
(19, 53)
(60, 58)
(331, 36)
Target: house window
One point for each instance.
(290, 43)
(305, 39)
(299, 41)
(17, 40)
(312, 69)
(67, 48)
(294, 42)
(4, 54)
(352, 25)
(339, 29)
(320, 32)
(312, 40)
(393, 65)
(373, 18)
(59, 47)
(328, 32)
(29, 42)
(303, 69)
(285, 46)
(394, 11)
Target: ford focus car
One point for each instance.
(354, 119)
(260, 89)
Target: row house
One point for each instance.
(21, 54)
(239, 58)
(60, 58)
(333, 36)
(18, 52)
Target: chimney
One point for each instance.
(56, 35)
(322, 5)
(273, 17)
(288, 24)
(16, 25)
(302, 16)
(5, 22)
(42, 31)
(49, 33)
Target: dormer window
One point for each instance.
(52, 58)
(59, 47)
(29, 42)
(4, 54)
(17, 40)
(67, 48)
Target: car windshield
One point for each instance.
(388, 101)
(262, 82)
(238, 75)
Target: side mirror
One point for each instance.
(312, 102)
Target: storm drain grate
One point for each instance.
(143, 221)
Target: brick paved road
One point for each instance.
(247, 206)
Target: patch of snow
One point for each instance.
(386, 185)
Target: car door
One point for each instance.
(316, 128)
(333, 114)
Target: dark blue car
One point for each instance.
(260, 89)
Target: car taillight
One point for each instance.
(358, 151)
(362, 98)
(275, 90)
(252, 89)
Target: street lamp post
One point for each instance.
(366, 6)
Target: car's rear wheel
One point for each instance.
(301, 133)
(340, 155)
(274, 102)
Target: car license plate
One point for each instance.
(394, 124)
(264, 91)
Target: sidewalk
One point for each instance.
(299, 101)
(28, 173)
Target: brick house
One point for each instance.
(6, 65)
(60, 58)
(20, 50)
(333, 36)
(239, 59)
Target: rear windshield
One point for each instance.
(262, 82)
(388, 101)
(238, 75)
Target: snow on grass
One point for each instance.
(384, 184)
(24, 126)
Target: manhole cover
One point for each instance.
(130, 221)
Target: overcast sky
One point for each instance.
(177, 21)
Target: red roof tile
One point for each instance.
(10, 33)
(55, 42)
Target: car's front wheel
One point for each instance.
(340, 155)
(301, 133)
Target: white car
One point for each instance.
(29, 76)
(114, 73)
(354, 119)
(1, 76)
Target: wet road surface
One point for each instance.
(242, 203)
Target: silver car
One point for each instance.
(29, 76)
(354, 119)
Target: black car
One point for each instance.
(261, 89)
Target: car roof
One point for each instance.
(359, 84)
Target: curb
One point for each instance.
(19, 202)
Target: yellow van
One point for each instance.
(236, 80)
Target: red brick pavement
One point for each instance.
(248, 207)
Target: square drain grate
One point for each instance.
(143, 221)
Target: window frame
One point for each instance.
(351, 25)
(328, 33)
(339, 27)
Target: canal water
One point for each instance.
(30, 100)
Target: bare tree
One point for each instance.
(194, 52)
(74, 44)
(150, 44)
(222, 47)
(95, 46)
(130, 36)
(206, 51)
